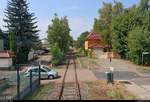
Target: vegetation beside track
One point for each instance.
(102, 90)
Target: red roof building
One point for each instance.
(6, 54)
(94, 40)
(94, 36)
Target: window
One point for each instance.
(46, 68)
(42, 70)
(34, 70)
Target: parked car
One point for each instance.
(45, 71)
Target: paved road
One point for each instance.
(118, 75)
(126, 71)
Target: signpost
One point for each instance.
(40, 72)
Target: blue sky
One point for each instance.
(80, 13)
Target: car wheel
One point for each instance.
(51, 77)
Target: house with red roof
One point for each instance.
(99, 48)
(95, 43)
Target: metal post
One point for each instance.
(18, 83)
(110, 59)
(39, 73)
(31, 80)
(142, 58)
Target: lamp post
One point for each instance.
(144, 53)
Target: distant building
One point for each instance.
(6, 61)
(4, 38)
(99, 48)
(45, 43)
(95, 44)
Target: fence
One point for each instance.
(14, 85)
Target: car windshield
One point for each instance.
(47, 68)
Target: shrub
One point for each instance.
(138, 42)
(57, 55)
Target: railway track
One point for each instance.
(70, 91)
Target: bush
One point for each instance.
(90, 54)
(57, 55)
(138, 42)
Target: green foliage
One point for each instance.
(104, 22)
(59, 38)
(121, 26)
(138, 42)
(41, 93)
(21, 23)
(89, 54)
(58, 32)
(116, 94)
(57, 55)
(83, 52)
(1, 33)
(4, 37)
(81, 39)
(12, 41)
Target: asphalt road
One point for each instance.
(118, 75)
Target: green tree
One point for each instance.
(97, 26)
(58, 32)
(81, 39)
(144, 5)
(104, 22)
(138, 42)
(1, 34)
(12, 41)
(21, 23)
(121, 25)
(57, 55)
(117, 9)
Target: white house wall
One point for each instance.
(5, 63)
(30, 55)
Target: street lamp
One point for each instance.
(144, 53)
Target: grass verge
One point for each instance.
(40, 94)
(100, 90)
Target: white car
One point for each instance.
(46, 72)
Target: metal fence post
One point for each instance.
(18, 83)
(31, 80)
(39, 74)
(142, 58)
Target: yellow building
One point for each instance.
(99, 49)
(95, 44)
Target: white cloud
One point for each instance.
(78, 25)
(1, 23)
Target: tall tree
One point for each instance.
(144, 5)
(81, 39)
(138, 42)
(12, 41)
(105, 21)
(1, 34)
(59, 32)
(21, 23)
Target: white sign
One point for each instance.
(145, 52)
(112, 69)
